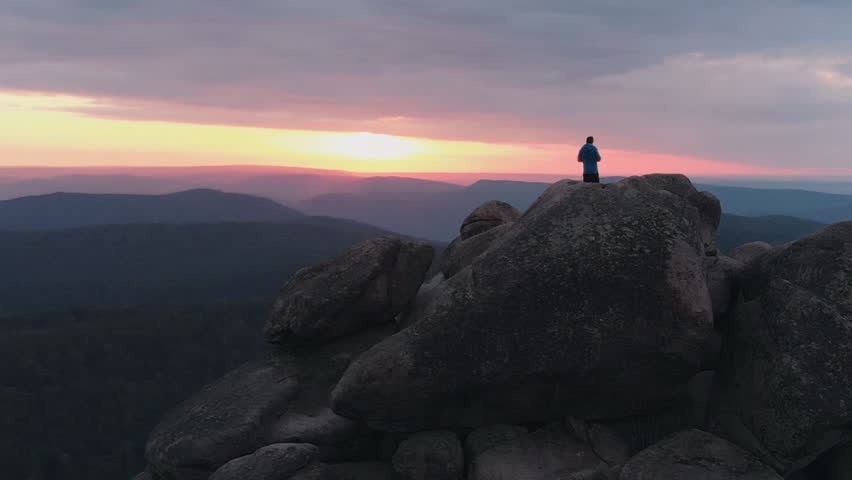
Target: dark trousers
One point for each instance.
(591, 178)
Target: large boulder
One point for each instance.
(273, 462)
(485, 225)
(615, 440)
(695, 455)
(428, 292)
(608, 445)
(835, 464)
(588, 474)
(641, 431)
(543, 454)
(314, 471)
(282, 399)
(319, 427)
(485, 438)
(700, 388)
(688, 411)
(782, 388)
(748, 252)
(308, 418)
(360, 471)
(487, 216)
(338, 438)
(366, 285)
(709, 207)
(345, 471)
(820, 263)
(461, 253)
(839, 465)
(594, 304)
(723, 274)
(433, 455)
(223, 421)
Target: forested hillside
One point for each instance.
(81, 386)
(80, 389)
(115, 265)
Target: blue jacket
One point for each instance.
(590, 157)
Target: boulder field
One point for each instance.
(598, 335)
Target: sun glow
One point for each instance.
(371, 146)
(51, 130)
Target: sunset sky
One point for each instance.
(705, 88)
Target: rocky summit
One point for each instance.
(598, 335)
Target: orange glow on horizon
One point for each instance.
(47, 131)
(372, 145)
(62, 131)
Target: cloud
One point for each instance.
(765, 81)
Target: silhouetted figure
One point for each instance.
(590, 157)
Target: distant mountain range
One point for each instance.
(438, 214)
(285, 187)
(70, 250)
(818, 206)
(336, 192)
(67, 210)
(11, 187)
(434, 214)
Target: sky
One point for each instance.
(762, 87)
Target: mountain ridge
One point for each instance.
(202, 205)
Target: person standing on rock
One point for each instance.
(590, 157)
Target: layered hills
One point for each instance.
(440, 212)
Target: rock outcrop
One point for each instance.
(748, 252)
(487, 216)
(222, 422)
(607, 445)
(338, 438)
(723, 273)
(531, 329)
(820, 263)
(485, 438)
(282, 399)
(430, 456)
(835, 464)
(783, 387)
(598, 336)
(481, 228)
(368, 284)
(542, 454)
(274, 462)
(461, 253)
(360, 471)
(695, 455)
